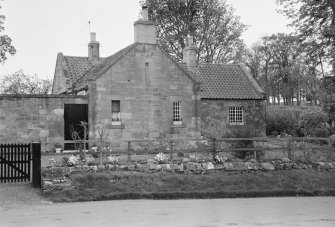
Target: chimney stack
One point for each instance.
(190, 52)
(145, 30)
(93, 48)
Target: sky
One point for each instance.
(42, 28)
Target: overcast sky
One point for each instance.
(42, 28)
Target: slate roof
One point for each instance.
(224, 81)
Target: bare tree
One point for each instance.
(21, 83)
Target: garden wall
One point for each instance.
(26, 118)
(57, 177)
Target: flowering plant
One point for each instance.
(194, 157)
(219, 159)
(73, 160)
(161, 157)
(107, 149)
(113, 159)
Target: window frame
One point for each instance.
(177, 113)
(116, 115)
(236, 115)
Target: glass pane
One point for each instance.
(116, 106)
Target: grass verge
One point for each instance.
(133, 185)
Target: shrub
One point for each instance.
(296, 121)
(281, 119)
(314, 123)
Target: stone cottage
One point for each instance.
(140, 92)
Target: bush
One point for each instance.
(314, 123)
(296, 121)
(281, 119)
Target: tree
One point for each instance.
(283, 68)
(21, 83)
(5, 42)
(215, 29)
(314, 21)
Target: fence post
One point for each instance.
(289, 148)
(129, 154)
(36, 153)
(214, 149)
(330, 143)
(171, 150)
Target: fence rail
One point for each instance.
(287, 144)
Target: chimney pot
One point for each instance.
(145, 16)
(93, 36)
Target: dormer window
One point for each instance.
(177, 120)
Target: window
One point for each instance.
(177, 120)
(116, 112)
(236, 115)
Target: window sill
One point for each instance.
(178, 124)
(116, 126)
(236, 123)
(116, 123)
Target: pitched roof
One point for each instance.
(81, 69)
(218, 81)
(76, 67)
(225, 81)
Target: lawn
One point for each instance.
(134, 185)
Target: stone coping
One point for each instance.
(41, 96)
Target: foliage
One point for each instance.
(161, 157)
(311, 18)
(153, 146)
(212, 23)
(328, 97)
(284, 70)
(296, 121)
(113, 159)
(6, 46)
(21, 83)
(314, 123)
(73, 160)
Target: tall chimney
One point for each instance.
(145, 30)
(93, 48)
(190, 52)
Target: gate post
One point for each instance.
(36, 153)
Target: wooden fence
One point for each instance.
(169, 146)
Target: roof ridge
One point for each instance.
(225, 64)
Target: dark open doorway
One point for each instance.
(74, 114)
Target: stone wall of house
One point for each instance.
(59, 83)
(26, 118)
(254, 116)
(146, 81)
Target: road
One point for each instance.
(296, 211)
